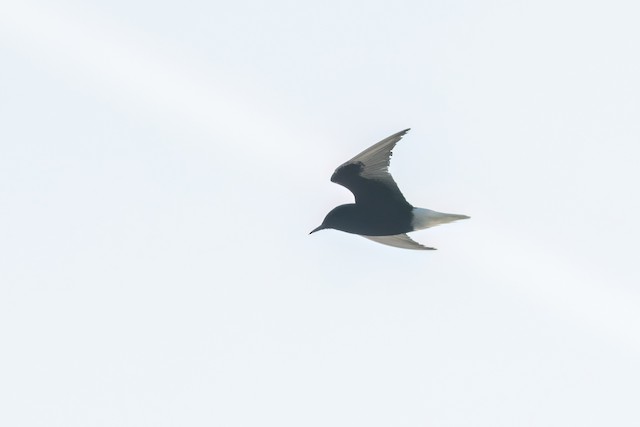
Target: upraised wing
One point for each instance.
(399, 241)
(367, 174)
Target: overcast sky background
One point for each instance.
(161, 164)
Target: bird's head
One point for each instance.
(340, 218)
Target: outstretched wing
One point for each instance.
(399, 241)
(367, 174)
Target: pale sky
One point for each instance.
(162, 163)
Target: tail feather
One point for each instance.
(425, 218)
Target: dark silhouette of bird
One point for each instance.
(380, 213)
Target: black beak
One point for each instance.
(321, 227)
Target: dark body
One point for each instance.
(380, 209)
(369, 221)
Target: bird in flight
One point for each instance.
(380, 213)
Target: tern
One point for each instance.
(380, 213)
